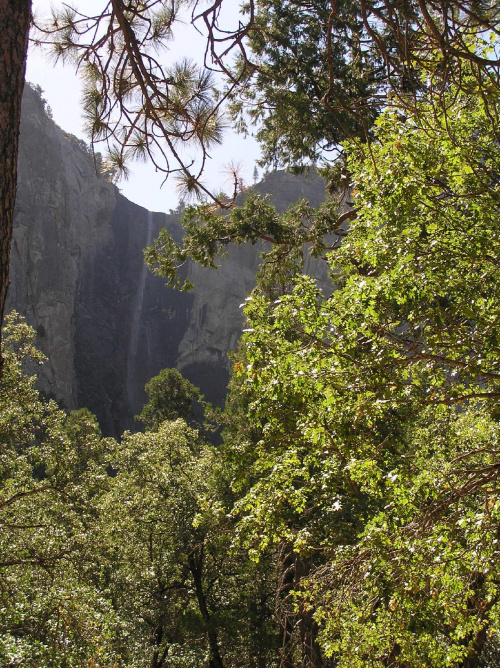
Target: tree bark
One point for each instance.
(472, 659)
(196, 568)
(285, 617)
(294, 570)
(14, 28)
(311, 652)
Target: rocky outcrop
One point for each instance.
(77, 275)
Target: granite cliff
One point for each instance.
(77, 274)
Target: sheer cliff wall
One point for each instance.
(77, 275)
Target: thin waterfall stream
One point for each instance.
(137, 319)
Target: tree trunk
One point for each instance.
(472, 659)
(14, 29)
(311, 652)
(196, 568)
(475, 604)
(296, 621)
(285, 616)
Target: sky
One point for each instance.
(62, 90)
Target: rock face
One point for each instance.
(77, 274)
(62, 218)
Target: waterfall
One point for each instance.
(137, 319)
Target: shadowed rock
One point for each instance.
(77, 274)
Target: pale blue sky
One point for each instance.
(63, 91)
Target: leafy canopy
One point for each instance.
(375, 409)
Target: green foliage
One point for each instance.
(147, 529)
(171, 396)
(370, 452)
(419, 265)
(357, 483)
(301, 230)
(119, 554)
(421, 581)
(301, 111)
(320, 72)
(181, 587)
(50, 613)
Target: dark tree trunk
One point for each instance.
(157, 660)
(285, 617)
(472, 660)
(296, 622)
(311, 652)
(14, 29)
(475, 604)
(196, 568)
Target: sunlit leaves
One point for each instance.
(424, 568)
(171, 396)
(375, 449)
